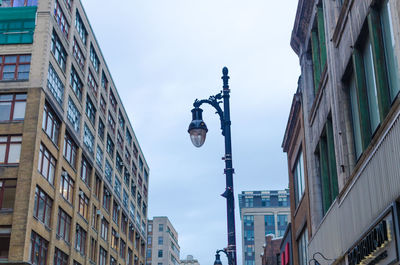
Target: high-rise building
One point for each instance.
(162, 247)
(190, 260)
(261, 213)
(73, 179)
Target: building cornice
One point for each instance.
(301, 22)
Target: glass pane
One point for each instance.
(355, 118)
(9, 69)
(16, 138)
(14, 153)
(24, 58)
(5, 109)
(2, 152)
(10, 59)
(20, 96)
(6, 3)
(19, 111)
(371, 86)
(18, 3)
(6, 97)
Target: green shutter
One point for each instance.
(324, 168)
(321, 36)
(331, 160)
(315, 59)
(375, 31)
(361, 88)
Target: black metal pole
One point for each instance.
(229, 194)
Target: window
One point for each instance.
(140, 164)
(120, 141)
(80, 240)
(134, 168)
(269, 221)
(113, 261)
(146, 176)
(111, 123)
(106, 199)
(132, 211)
(97, 186)
(70, 150)
(12, 107)
(160, 253)
(86, 171)
(248, 220)
(83, 205)
(149, 238)
(282, 223)
(161, 240)
(108, 171)
(73, 115)
(249, 235)
(135, 150)
(92, 83)
(130, 256)
(139, 199)
(78, 55)
(5, 236)
(125, 199)
(113, 101)
(110, 146)
(126, 177)
(283, 201)
(38, 249)
(104, 229)
(60, 258)
(42, 206)
(94, 59)
(101, 130)
(15, 67)
(144, 209)
(131, 232)
(103, 104)
(102, 257)
(122, 249)
(80, 28)
(128, 137)
(64, 225)
(298, 175)
(114, 239)
(93, 250)
(121, 121)
(47, 164)
(10, 149)
(160, 227)
(133, 189)
(119, 163)
(7, 193)
(248, 202)
(117, 187)
(94, 217)
(55, 85)
(99, 157)
(115, 213)
(124, 223)
(327, 161)
(318, 46)
(68, 3)
(67, 187)
(76, 83)
(18, 3)
(50, 124)
(303, 248)
(104, 81)
(88, 139)
(60, 19)
(58, 51)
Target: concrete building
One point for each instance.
(73, 179)
(163, 247)
(189, 261)
(349, 56)
(261, 213)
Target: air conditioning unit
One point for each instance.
(64, 174)
(98, 212)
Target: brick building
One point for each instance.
(73, 179)
(271, 250)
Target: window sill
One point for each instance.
(17, 80)
(12, 121)
(6, 211)
(9, 165)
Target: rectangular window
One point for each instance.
(122, 249)
(58, 50)
(99, 157)
(104, 81)
(76, 83)
(128, 137)
(55, 86)
(114, 239)
(80, 28)
(73, 115)
(83, 205)
(94, 59)
(106, 199)
(78, 55)
(133, 189)
(160, 253)
(18, 3)
(64, 225)
(135, 150)
(60, 258)
(90, 110)
(12, 107)
(130, 256)
(303, 248)
(161, 240)
(67, 187)
(108, 171)
(86, 171)
(113, 261)
(94, 220)
(103, 104)
(88, 139)
(101, 129)
(115, 212)
(111, 123)
(120, 141)
(126, 177)
(248, 221)
(97, 186)
(10, 149)
(47, 164)
(124, 223)
(160, 227)
(298, 175)
(110, 146)
(131, 232)
(80, 240)
(113, 101)
(70, 150)
(104, 229)
(121, 121)
(60, 19)
(51, 124)
(93, 250)
(38, 249)
(42, 206)
(7, 194)
(132, 211)
(282, 223)
(68, 3)
(134, 169)
(102, 257)
(269, 221)
(15, 67)
(92, 83)
(119, 163)
(140, 164)
(117, 187)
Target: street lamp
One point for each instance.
(198, 130)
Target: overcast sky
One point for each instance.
(163, 54)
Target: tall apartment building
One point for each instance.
(261, 213)
(73, 179)
(349, 56)
(162, 242)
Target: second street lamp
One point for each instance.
(198, 130)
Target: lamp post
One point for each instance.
(197, 130)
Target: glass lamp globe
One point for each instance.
(197, 128)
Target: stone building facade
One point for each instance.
(349, 56)
(73, 179)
